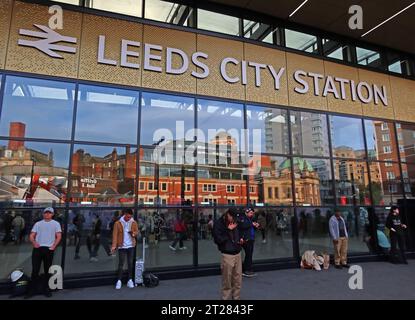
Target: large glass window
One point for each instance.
(313, 229)
(168, 12)
(33, 173)
(352, 182)
(217, 22)
(103, 175)
(408, 173)
(335, 50)
(368, 57)
(386, 183)
(301, 41)
(166, 116)
(380, 139)
(159, 229)
(165, 178)
(406, 141)
(128, 7)
(309, 133)
(267, 129)
(220, 153)
(89, 241)
(258, 31)
(313, 182)
(270, 181)
(107, 115)
(347, 137)
(37, 108)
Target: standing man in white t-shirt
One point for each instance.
(45, 237)
(124, 240)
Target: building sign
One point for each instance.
(231, 69)
(88, 182)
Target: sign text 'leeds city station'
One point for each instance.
(232, 70)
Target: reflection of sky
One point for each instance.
(60, 151)
(101, 151)
(112, 121)
(161, 111)
(370, 132)
(220, 115)
(347, 132)
(42, 105)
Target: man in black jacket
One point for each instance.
(247, 226)
(397, 234)
(226, 236)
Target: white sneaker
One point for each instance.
(118, 285)
(130, 284)
(93, 259)
(173, 248)
(264, 241)
(183, 248)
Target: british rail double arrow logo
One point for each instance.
(48, 41)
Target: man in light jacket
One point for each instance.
(124, 240)
(338, 232)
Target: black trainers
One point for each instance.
(345, 266)
(249, 274)
(337, 266)
(48, 294)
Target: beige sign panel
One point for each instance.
(214, 85)
(38, 56)
(403, 96)
(101, 58)
(373, 109)
(295, 63)
(176, 67)
(347, 105)
(264, 89)
(5, 16)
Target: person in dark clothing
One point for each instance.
(94, 239)
(247, 226)
(78, 222)
(227, 238)
(397, 234)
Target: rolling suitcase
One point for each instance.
(139, 266)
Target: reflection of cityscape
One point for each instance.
(222, 178)
(17, 164)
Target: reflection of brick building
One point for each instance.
(386, 149)
(17, 163)
(111, 178)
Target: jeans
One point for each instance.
(77, 242)
(249, 251)
(179, 238)
(39, 255)
(125, 254)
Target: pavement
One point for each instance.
(381, 280)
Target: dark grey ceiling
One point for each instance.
(333, 16)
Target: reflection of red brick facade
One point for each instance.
(112, 178)
(18, 130)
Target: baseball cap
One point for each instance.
(49, 209)
(247, 210)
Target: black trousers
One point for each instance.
(249, 251)
(123, 255)
(397, 239)
(39, 255)
(77, 242)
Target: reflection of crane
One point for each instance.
(49, 186)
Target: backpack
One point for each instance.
(150, 280)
